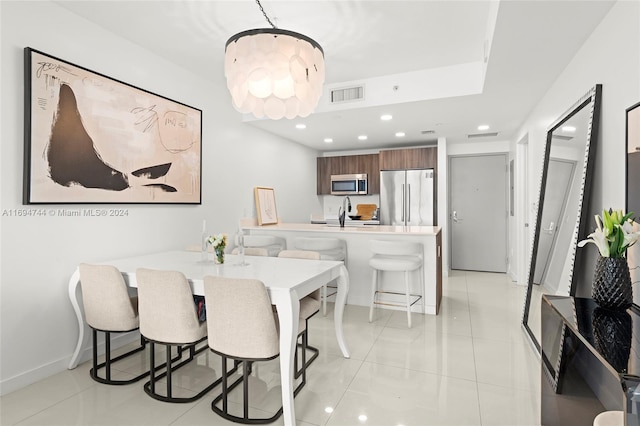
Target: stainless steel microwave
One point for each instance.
(349, 184)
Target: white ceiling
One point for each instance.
(528, 44)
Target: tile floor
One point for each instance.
(470, 365)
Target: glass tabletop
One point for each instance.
(614, 335)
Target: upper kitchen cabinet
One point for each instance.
(409, 158)
(345, 165)
(323, 170)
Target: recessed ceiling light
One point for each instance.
(483, 127)
(386, 117)
(569, 129)
(328, 140)
(301, 126)
(400, 134)
(362, 137)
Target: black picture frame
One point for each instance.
(93, 139)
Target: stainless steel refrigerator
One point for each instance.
(406, 197)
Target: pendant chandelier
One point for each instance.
(274, 73)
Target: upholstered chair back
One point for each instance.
(167, 311)
(240, 319)
(106, 300)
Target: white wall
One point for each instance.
(38, 254)
(611, 57)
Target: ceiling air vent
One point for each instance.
(427, 132)
(347, 94)
(482, 135)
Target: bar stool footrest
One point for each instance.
(416, 298)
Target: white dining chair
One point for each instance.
(395, 256)
(243, 327)
(168, 316)
(108, 308)
(330, 249)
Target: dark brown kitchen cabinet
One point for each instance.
(348, 164)
(409, 158)
(323, 171)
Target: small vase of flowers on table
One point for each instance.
(218, 242)
(612, 280)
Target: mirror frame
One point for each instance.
(593, 97)
(632, 115)
(632, 110)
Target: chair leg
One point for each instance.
(245, 389)
(152, 367)
(324, 300)
(107, 355)
(109, 360)
(407, 288)
(374, 289)
(95, 351)
(171, 366)
(169, 370)
(227, 388)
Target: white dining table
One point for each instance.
(287, 280)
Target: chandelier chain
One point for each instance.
(265, 14)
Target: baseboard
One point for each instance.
(40, 373)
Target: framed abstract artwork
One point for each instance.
(265, 205)
(92, 139)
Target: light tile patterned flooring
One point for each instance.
(470, 365)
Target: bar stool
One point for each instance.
(329, 249)
(252, 251)
(271, 243)
(396, 256)
(609, 418)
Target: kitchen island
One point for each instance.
(358, 254)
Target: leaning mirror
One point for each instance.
(562, 206)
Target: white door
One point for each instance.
(478, 212)
(559, 178)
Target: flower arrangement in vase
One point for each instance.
(218, 242)
(612, 280)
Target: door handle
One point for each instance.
(455, 217)
(551, 228)
(408, 202)
(404, 206)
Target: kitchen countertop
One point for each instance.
(367, 229)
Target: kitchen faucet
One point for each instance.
(342, 211)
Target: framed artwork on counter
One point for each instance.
(265, 205)
(92, 139)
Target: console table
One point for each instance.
(590, 361)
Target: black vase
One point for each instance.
(612, 332)
(612, 284)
